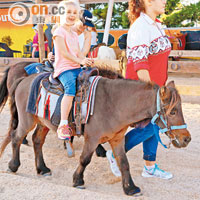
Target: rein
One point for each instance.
(167, 128)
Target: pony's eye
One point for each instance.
(173, 112)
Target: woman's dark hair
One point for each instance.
(135, 8)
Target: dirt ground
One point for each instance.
(99, 181)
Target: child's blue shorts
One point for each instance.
(68, 80)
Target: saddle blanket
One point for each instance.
(33, 93)
(93, 53)
(47, 105)
(35, 68)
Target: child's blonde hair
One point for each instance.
(65, 3)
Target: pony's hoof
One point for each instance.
(46, 174)
(13, 167)
(82, 187)
(9, 170)
(133, 191)
(78, 182)
(45, 171)
(138, 194)
(70, 149)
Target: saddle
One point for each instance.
(46, 67)
(53, 85)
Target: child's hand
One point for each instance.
(51, 57)
(87, 61)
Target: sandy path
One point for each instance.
(99, 181)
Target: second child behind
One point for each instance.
(68, 59)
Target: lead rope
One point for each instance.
(155, 118)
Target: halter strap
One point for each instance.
(173, 128)
(155, 117)
(159, 115)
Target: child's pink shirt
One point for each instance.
(71, 41)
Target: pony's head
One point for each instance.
(170, 116)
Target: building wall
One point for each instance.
(18, 34)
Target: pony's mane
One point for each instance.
(151, 85)
(147, 85)
(174, 100)
(109, 73)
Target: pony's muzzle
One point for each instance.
(183, 138)
(187, 139)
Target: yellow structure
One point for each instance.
(18, 34)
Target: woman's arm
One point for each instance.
(138, 51)
(87, 42)
(143, 75)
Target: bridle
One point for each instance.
(159, 115)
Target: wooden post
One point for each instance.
(41, 38)
(108, 21)
(41, 42)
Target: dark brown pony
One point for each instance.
(118, 104)
(16, 73)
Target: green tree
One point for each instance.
(176, 15)
(119, 15)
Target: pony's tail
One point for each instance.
(14, 117)
(12, 127)
(4, 90)
(5, 142)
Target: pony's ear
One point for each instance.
(164, 93)
(171, 84)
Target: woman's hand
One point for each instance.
(87, 61)
(87, 34)
(143, 75)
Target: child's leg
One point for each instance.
(66, 105)
(64, 131)
(68, 80)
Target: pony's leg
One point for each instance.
(117, 144)
(85, 158)
(26, 123)
(38, 141)
(17, 137)
(14, 162)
